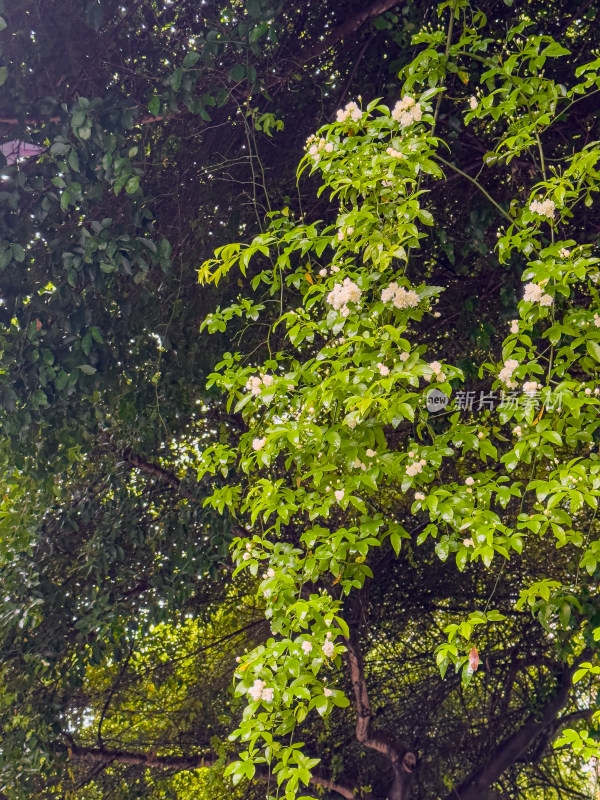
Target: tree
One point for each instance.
(121, 598)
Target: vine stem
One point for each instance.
(446, 54)
(475, 183)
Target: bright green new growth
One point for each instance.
(340, 402)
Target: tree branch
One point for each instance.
(300, 59)
(475, 785)
(403, 761)
(103, 755)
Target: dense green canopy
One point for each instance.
(170, 129)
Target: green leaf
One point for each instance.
(73, 160)
(59, 148)
(3, 75)
(593, 349)
(190, 59)
(154, 106)
(87, 369)
(18, 252)
(132, 184)
(237, 73)
(176, 79)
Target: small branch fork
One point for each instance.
(401, 758)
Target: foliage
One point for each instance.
(340, 403)
(168, 132)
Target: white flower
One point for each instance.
(404, 356)
(517, 431)
(564, 253)
(597, 320)
(351, 423)
(258, 444)
(267, 694)
(339, 495)
(323, 272)
(436, 367)
(246, 556)
(481, 435)
(270, 572)
(507, 371)
(394, 154)
(414, 469)
(253, 384)
(383, 370)
(340, 234)
(468, 542)
(267, 380)
(533, 293)
(419, 496)
(256, 690)
(371, 453)
(313, 150)
(546, 300)
(327, 692)
(407, 111)
(588, 391)
(351, 111)
(342, 294)
(530, 388)
(399, 296)
(307, 647)
(514, 326)
(329, 147)
(328, 649)
(545, 208)
(473, 102)
(470, 481)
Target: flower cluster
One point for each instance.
(507, 371)
(350, 111)
(258, 444)
(545, 208)
(383, 370)
(343, 232)
(394, 154)
(531, 387)
(534, 293)
(514, 326)
(473, 102)
(342, 294)
(399, 296)
(259, 691)
(564, 253)
(414, 469)
(256, 382)
(436, 368)
(597, 320)
(315, 146)
(419, 496)
(407, 111)
(329, 647)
